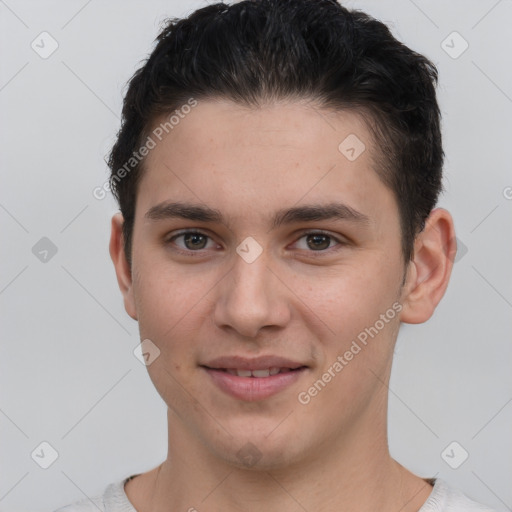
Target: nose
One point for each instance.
(251, 297)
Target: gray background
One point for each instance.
(69, 375)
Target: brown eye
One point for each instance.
(318, 241)
(194, 241)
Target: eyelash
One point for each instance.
(319, 253)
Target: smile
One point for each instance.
(256, 373)
(254, 385)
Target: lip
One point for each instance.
(252, 389)
(257, 363)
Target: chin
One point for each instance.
(259, 452)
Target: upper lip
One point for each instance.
(257, 363)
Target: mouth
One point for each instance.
(253, 380)
(258, 374)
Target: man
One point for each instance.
(277, 172)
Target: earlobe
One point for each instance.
(429, 271)
(122, 268)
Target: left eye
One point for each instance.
(318, 241)
(194, 241)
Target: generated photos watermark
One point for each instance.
(305, 397)
(156, 136)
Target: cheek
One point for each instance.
(357, 342)
(350, 298)
(168, 304)
(164, 297)
(359, 317)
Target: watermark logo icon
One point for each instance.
(454, 455)
(44, 455)
(249, 454)
(462, 250)
(454, 45)
(249, 250)
(352, 147)
(146, 352)
(44, 45)
(44, 250)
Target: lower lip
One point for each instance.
(252, 389)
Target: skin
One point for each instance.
(248, 164)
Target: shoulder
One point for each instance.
(84, 505)
(444, 498)
(112, 499)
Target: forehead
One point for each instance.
(216, 125)
(221, 153)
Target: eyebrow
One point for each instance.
(306, 213)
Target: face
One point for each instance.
(284, 256)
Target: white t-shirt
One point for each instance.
(443, 498)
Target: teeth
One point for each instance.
(260, 373)
(257, 373)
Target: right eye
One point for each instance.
(193, 241)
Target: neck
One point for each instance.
(352, 472)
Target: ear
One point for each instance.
(429, 271)
(123, 271)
